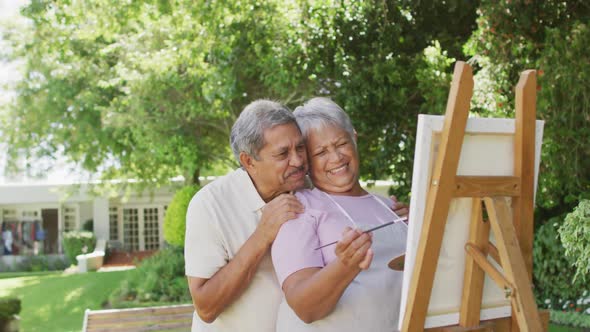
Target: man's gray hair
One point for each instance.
(320, 112)
(247, 133)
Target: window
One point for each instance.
(151, 228)
(9, 215)
(131, 229)
(113, 223)
(30, 215)
(70, 218)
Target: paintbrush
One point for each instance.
(369, 230)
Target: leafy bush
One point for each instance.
(577, 319)
(575, 235)
(564, 104)
(546, 35)
(9, 306)
(175, 220)
(42, 263)
(88, 225)
(76, 243)
(552, 271)
(159, 278)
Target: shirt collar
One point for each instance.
(250, 195)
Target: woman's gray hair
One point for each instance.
(247, 133)
(320, 112)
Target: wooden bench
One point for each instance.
(165, 318)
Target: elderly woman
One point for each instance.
(346, 287)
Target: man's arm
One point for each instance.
(314, 292)
(211, 296)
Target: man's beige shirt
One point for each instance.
(219, 219)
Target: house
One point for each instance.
(38, 214)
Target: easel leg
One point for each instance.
(473, 279)
(523, 301)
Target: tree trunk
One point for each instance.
(195, 179)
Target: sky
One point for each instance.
(9, 73)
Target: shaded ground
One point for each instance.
(120, 258)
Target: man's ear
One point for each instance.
(248, 162)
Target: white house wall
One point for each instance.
(101, 218)
(86, 212)
(19, 194)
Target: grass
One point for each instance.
(56, 302)
(561, 328)
(5, 275)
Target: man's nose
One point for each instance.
(297, 159)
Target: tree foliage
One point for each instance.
(553, 270)
(546, 35)
(381, 61)
(175, 220)
(575, 235)
(142, 90)
(148, 90)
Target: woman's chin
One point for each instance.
(347, 189)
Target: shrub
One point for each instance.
(76, 243)
(575, 235)
(42, 263)
(552, 271)
(9, 306)
(175, 220)
(159, 278)
(88, 225)
(576, 319)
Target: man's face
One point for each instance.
(282, 162)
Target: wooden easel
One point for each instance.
(513, 230)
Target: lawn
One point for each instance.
(56, 302)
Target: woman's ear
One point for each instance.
(355, 135)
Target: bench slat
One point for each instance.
(182, 326)
(162, 309)
(168, 318)
(138, 318)
(117, 314)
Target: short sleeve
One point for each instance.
(204, 252)
(294, 247)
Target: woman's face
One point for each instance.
(334, 165)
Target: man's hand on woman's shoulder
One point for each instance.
(275, 213)
(400, 208)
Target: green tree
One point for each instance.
(546, 35)
(142, 90)
(384, 62)
(148, 90)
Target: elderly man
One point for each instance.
(232, 222)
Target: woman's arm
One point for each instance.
(314, 292)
